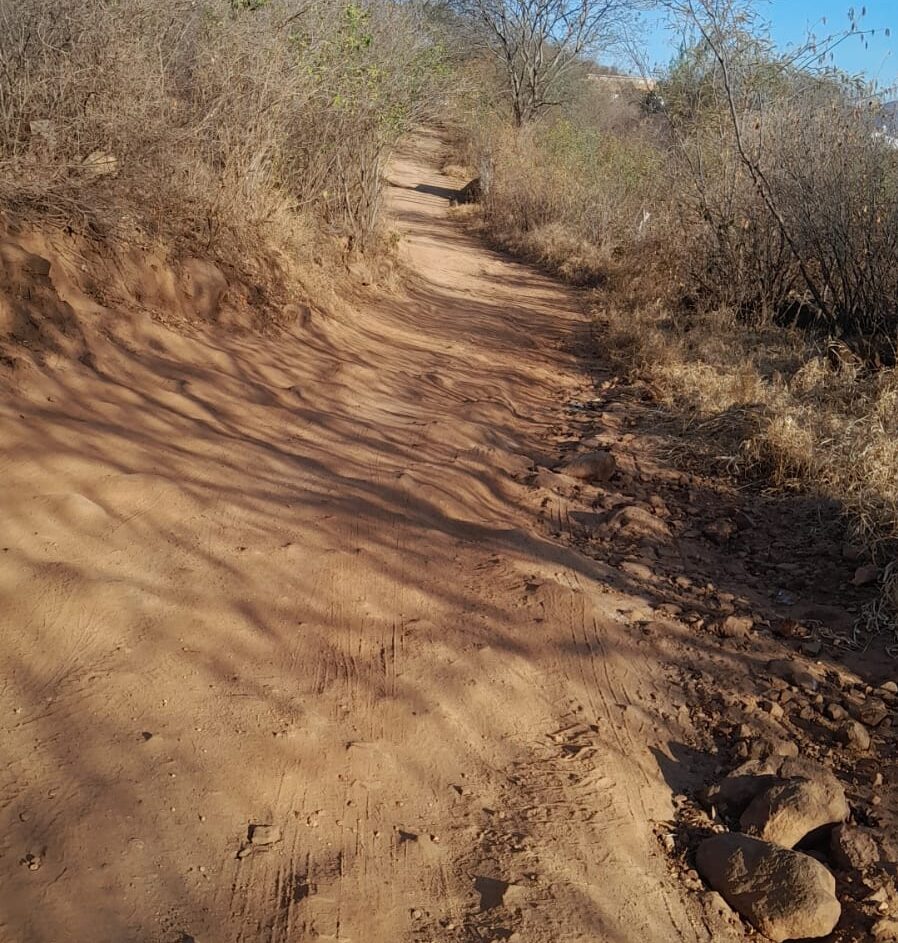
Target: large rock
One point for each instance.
(597, 466)
(732, 795)
(773, 761)
(853, 848)
(784, 894)
(791, 810)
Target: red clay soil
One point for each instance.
(302, 641)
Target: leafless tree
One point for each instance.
(538, 43)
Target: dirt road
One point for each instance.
(290, 651)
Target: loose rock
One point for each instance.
(264, 834)
(793, 672)
(790, 811)
(597, 466)
(735, 627)
(853, 848)
(636, 523)
(855, 735)
(872, 712)
(865, 575)
(784, 894)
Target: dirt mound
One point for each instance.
(60, 291)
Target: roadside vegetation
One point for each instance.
(738, 215)
(231, 128)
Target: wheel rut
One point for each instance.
(346, 616)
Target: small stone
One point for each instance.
(865, 575)
(855, 735)
(790, 811)
(890, 687)
(771, 707)
(835, 711)
(854, 848)
(597, 466)
(872, 712)
(721, 531)
(784, 894)
(264, 834)
(735, 627)
(793, 672)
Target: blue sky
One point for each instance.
(791, 20)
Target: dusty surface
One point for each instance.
(301, 643)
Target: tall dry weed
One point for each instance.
(215, 123)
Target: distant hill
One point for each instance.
(617, 82)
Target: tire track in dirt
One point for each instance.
(344, 614)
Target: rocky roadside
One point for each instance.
(785, 766)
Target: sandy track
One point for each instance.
(301, 583)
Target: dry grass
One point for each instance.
(226, 129)
(569, 198)
(700, 291)
(769, 403)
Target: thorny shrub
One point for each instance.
(745, 235)
(209, 122)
